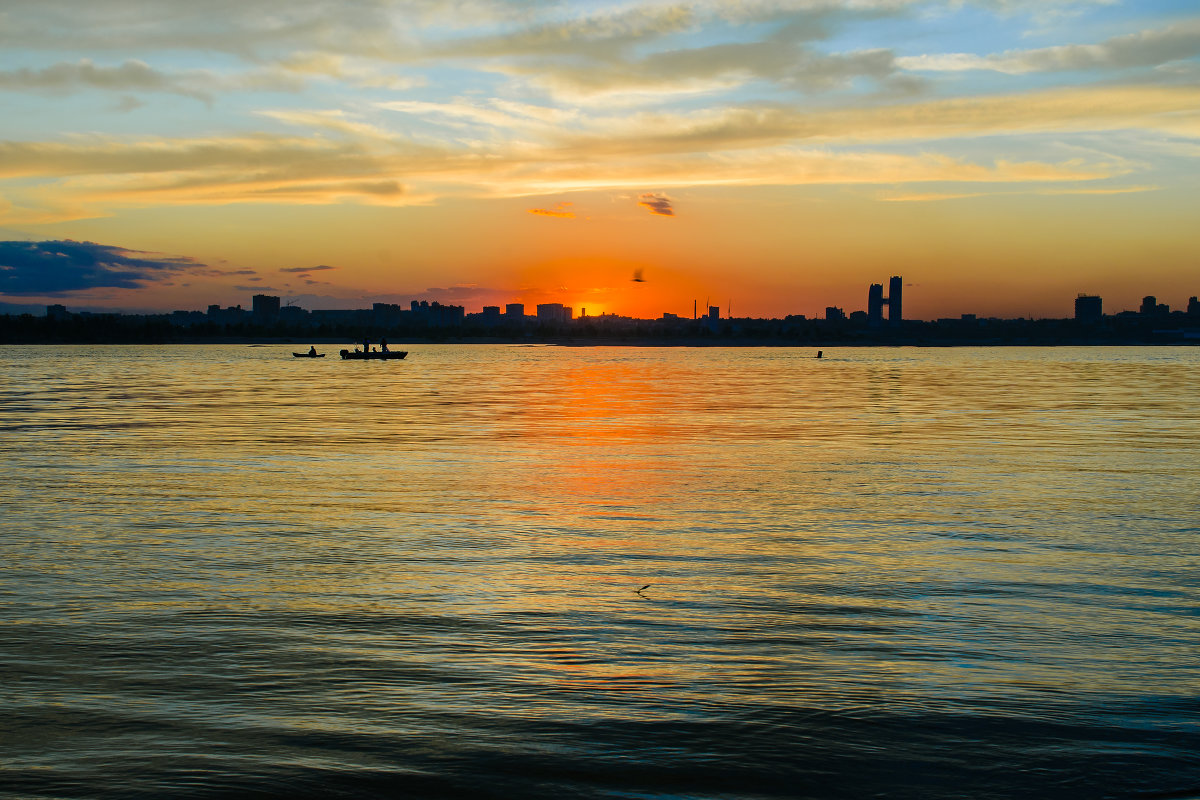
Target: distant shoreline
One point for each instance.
(341, 343)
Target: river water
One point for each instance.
(933, 573)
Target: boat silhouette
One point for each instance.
(373, 355)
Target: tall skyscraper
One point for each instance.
(875, 305)
(895, 300)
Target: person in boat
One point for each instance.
(366, 345)
(383, 345)
(312, 351)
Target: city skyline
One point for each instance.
(776, 157)
(264, 308)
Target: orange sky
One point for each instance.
(769, 158)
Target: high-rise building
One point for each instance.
(1193, 308)
(875, 305)
(834, 314)
(714, 312)
(895, 300)
(1088, 308)
(515, 310)
(265, 306)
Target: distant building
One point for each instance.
(1088, 308)
(553, 312)
(386, 314)
(894, 301)
(875, 303)
(228, 315)
(1152, 308)
(834, 314)
(265, 306)
(515, 311)
(292, 313)
(714, 312)
(1193, 308)
(435, 314)
(60, 311)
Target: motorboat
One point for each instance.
(373, 355)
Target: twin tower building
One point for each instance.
(894, 301)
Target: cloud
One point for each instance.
(137, 76)
(711, 68)
(562, 210)
(1147, 48)
(347, 70)
(599, 35)
(763, 144)
(107, 172)
(744, 127)
(64, 77)
(657, 203)
(927, 197)
(57, 267)
(301, 270)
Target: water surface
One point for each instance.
(890, 572)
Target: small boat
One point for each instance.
(373, 355)
(308, 355)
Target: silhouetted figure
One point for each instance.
(383, 345)
(820, 353)
(312, 351)
(366, 345)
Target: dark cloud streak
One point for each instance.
(58, 267)
(657, 203)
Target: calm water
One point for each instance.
(891, 572)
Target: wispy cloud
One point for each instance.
(67, 77)
(1146, 48)
(929, 197)
(561, 210)
(303, 270)
(657, 203)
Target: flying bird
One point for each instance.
(637, 276)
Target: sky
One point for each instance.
(771, 157)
